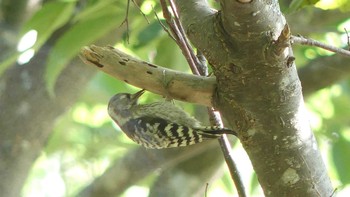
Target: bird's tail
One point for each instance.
(217, 131)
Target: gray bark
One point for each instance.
(259, 92)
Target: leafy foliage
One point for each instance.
(84, 32)
(44, 22)
(340, 153)
(298, 4)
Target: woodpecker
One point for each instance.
(158, 125)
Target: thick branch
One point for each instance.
(160, 80)
(200, 24)
(140, 163)
(193, 11)
(240, 18)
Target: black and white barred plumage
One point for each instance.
(158, 125)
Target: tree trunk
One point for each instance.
(259, 91)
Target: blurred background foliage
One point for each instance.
(85, 142)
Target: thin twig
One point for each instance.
(203, 67)
(181, 40)
(143, 14)
(163, 26)
(226, 148)
(206, 190)
(311, 42)
(169, 21)
(333, 193)
(126, 18)
(182, 31)
(348, 38)
(179, 37)
(126, 21)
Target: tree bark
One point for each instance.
(259, 91)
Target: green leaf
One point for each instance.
(340, 153)
(49, 18)
(169, 55)
(69, 45)
(8, 62)
(254, 184)
(227, 181)
(149, 33)
(298, 4)
(100, 8)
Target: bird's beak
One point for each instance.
(137, 95)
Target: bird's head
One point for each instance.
(120, 105)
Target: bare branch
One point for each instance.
(179, 37)
(187, 46)
(159, 80)
(126, 21)
(348, 38)
(143, 14)
(163, 26)
(126, 18)
(311, 42)
(226, 148)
